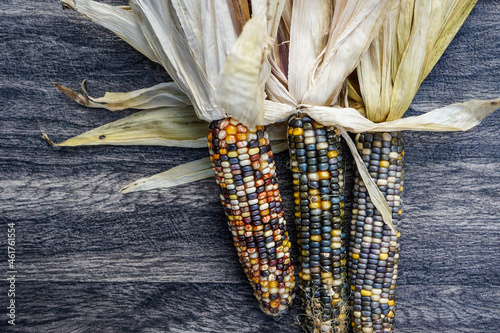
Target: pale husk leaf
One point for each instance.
(166, 94)
(174, 127)
(181, 174)
(354, 25)
(411, 42)
(311, 21)
(276, 86)
(161, 26)
(239, 87)
(276, 112)
(190, 18)
(408, 77)
(219, 31)
(455, 117)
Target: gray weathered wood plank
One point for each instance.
(92, 260)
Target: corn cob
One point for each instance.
(315, 155)
(373, 247)
(244, 168)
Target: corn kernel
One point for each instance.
(230, 139)
(384, 164)
(314, 205)
(366, 292)
(316, 238)
(326, 205)
(332, 154)
(231, 129)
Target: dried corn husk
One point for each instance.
(174, 127)
(166, 95)
(411, 41)
(193, 39)
(196, 42)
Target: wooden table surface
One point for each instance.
(89, 259)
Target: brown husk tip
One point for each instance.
(48, 140)
(77, 97)
(68, 4)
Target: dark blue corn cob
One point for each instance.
(316, 163)
(373, 246)
(244, 169)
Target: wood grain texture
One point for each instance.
(90, 259)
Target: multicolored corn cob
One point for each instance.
(373, 246)
(244, 169)
(316, 162)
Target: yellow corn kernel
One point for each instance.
(313, 192)
(365, 292)
(298, 131)
(333, 154)
(314, 205)
(384, 164)
(324, 175)
(383, 256)
(253, 151)
(231, 129)
(326, 205)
